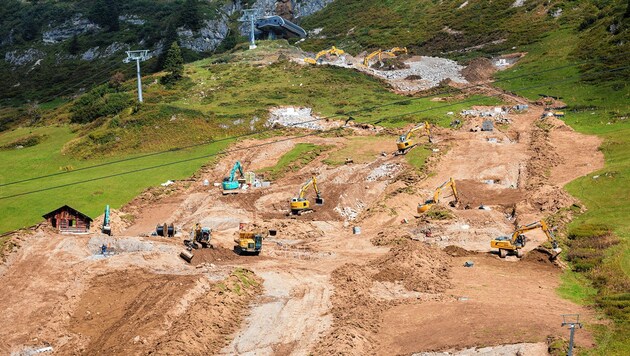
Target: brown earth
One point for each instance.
(479, 70)
(496, 303)
(316, 287)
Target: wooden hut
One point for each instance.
(68, 220)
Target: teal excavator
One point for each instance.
(106, 229)
(231, 183)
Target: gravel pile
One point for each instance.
(294, 117)
(387, 170)
(430, 70)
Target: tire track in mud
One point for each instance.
(290, 316)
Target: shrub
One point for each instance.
(28, 141)
(99, 102)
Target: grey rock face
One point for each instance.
(75, 26)
(309, 7)
(211, 34)
(22, 57)
(94, 53)
(132, 19)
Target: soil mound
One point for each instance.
(391, 237)
(457, 251)
(207, 324)
(538, 256)
(213, 255)
(479, 70)
(121, 305)
(355, 314)
(421, 268)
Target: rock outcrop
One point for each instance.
(77, 25)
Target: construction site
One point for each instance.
(368, 256)
(314, 177)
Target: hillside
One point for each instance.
(53, 49)
(288, 120)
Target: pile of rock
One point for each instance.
(294, 117)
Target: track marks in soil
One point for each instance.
(289, 317)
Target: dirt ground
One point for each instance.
(397, 287)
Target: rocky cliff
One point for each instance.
(56, 34)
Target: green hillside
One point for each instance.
(229, 95)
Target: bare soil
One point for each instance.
(397, 287)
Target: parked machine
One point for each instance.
(248, 242)
(332, 51)
(301, 205)
(106, 228)
(405, 144)
(232, 183)
(515, 242)
(436, 196)
(199, 237)
(391, 53)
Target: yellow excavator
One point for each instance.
(405, 144)
(332, 51)
(517, 241)
(380, 53)
(299, 204)
(436, 196)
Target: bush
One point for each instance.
(28, 141)
(99, 102)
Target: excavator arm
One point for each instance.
(300, 203)
(333, 51)
(436, 196)
(237, 167)
(106, 228)
(404, 143)
(517, 241)
(366, 60)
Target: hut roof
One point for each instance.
(67, 207)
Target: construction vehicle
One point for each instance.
(405, 144)
(200, 236)
(517, 240)
(231, 184)
(248, 242)
(436, 196)
(380, 53)
(106, 228)
(332, 51)
(301, 205)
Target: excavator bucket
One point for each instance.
(186, 255)
(319, 201)
(552, 253)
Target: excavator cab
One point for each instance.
(300, 204)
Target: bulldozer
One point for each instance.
(301, 205)
(248, 242)
(199, 237)
(231, 184)
(436, 196)
(516, 242)
(391, 53)
(332, 51)
(405, 144)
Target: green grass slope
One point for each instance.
(89, 197)
(599, 240)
